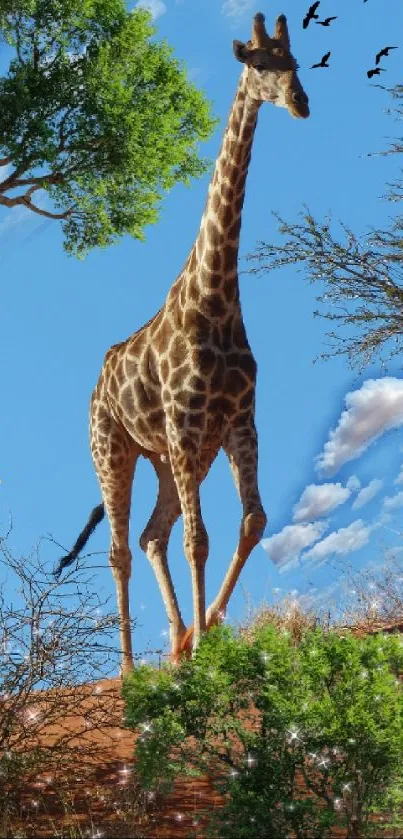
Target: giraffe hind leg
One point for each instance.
(115, 455)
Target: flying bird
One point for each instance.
(375, 72)
(322, 62)
(385, 52)
(310, 14)
(326, 21)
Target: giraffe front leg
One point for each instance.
(241, 447)
(185, 462)
(154, 542)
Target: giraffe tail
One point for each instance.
(96, 516)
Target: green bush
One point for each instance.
(270, 720)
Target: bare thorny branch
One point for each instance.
(54, 644)
(361, 277)
(60, 704)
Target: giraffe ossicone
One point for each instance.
(183, 386)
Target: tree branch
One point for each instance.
(9, 182)
(62, 136)
(57, 177)
(18, 42)
(320, 791)
(25, 201)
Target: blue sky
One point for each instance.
(331, 442)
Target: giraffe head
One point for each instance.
(271, 68)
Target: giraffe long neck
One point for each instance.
(215, 253)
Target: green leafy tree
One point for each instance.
(271, 720)
(97, 115)
(361, 276)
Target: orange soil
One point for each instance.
(99, 757)
(99, 754)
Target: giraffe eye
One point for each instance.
(299, 97)
(260, 68)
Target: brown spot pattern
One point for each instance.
(185, 382)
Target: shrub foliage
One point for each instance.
(298, 736)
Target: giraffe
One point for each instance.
(183, 386)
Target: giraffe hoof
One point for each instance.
(183, 649)
(126, 670)
(175, 658)
(186, 647)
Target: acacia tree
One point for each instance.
(362, 276)
(96, 114)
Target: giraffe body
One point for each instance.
(183, 386)
(175, 380)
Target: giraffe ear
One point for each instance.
(241, 51)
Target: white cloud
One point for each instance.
(391, 553)
(288, 564)
(353, 483)
(393, 502)
(373, 409)
(284, 547)
(156, 7)
(316, 598)
(367, 493)
(384, 519)
(236, 8)
(399, 479)
(342, 541)
(319, 499)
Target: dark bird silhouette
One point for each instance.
(375, 72)
(310, 14)
(385, 51)
(322, 62)
(326, 21)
